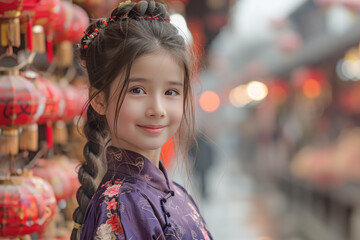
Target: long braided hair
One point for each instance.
(131, 31)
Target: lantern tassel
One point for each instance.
(49, 50)
(29, 138)
(14, 32)
(29, 37)
(9, 142)
(4, 34)
(49, 135)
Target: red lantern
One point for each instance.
(71, 96)
(69, 166)
(10, 9)
(79, 23)
(46, 191)
(55, 105)
(46, 13)
(22, 208)
(29, 7)
(75, 24)
(82, 98)
(19, 101)
(89, 3)
(65, 12)
(54, 174)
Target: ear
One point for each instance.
(98, 103)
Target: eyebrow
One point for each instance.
(175, 83)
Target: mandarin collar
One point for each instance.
(133, 164)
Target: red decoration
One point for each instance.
(82, 98)
(70, 167)
(90, 3)
(27, 13)
(19, 101)
(28, 8)
(22, 208)
(71, 96)
(72, 27)
(10, 9)
(46, 13)
(63, 15)
(46, 191)
(168, 152)
(55, 104)
(54, 174)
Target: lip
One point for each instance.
(153, 129)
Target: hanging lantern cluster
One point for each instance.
(28, 99)
(20, 104)
(41, 20)
(26, 205)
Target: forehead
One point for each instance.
(156, 68)
(157, 65)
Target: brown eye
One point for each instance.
(137, 90)
(171, 93)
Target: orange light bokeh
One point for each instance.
(311, 88)
(209, 101)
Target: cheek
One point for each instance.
(125, 116)
(177, 113)
(128, 113)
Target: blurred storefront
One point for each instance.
(43, 94)
(294, 94)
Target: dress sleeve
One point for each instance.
(138, 218)
(128, 216)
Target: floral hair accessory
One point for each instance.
(123, 4)
(90, 37)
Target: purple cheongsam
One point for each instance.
(136, 201)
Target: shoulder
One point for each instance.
(181, 191)
(124, 190)
(126, 193)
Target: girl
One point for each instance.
(140, 96)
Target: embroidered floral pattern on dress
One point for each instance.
(197, 219)
(112, 227)
(115, 224)
(111, 204)
(104, 232)
(112, 190)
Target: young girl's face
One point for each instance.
(153, 105)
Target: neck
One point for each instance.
(152, 155)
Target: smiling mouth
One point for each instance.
(152, 129)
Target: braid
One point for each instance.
(141, 9)
(91, 171)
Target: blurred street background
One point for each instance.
(277, 114)
(279, 105)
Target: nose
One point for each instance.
(156, 108)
